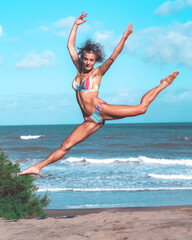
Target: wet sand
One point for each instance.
(159, 223)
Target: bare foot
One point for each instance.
(169, 79)
(29, 171)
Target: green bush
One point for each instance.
(18, 197)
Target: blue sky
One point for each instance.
(36, 71)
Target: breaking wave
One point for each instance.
(141, 159)
(28, 137)
(112, 189)
(175, 177)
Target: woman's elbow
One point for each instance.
(113, 58)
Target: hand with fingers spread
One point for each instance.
(128, 31)
(80, 20)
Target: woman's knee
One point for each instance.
(66, 145)
(143, 108)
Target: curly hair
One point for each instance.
(92, 47)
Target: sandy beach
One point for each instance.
(160, 223)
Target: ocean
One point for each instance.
(121, 165)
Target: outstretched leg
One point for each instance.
(81, 133)
(112, 112)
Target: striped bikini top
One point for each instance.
(88, 85)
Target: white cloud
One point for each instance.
(64, 25)
(171, 44)
(64, 22)
(6, 37)
(61, 27)
(34, 60)
(42, 28)
(177, 95)
(131, 96)
(1, 31)
(103, 36)
(12, 105)
(172, 7)
(107, 39)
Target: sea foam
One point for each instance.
(175, 177)
(141, 159)
(100, 161)
(112, 189)
(28, 137)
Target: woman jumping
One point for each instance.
(86, 84)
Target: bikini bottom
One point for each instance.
(95, 117)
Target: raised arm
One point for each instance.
(106, 65)
(71, 41)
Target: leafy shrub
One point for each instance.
(18, 198)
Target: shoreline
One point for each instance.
(85, 211)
